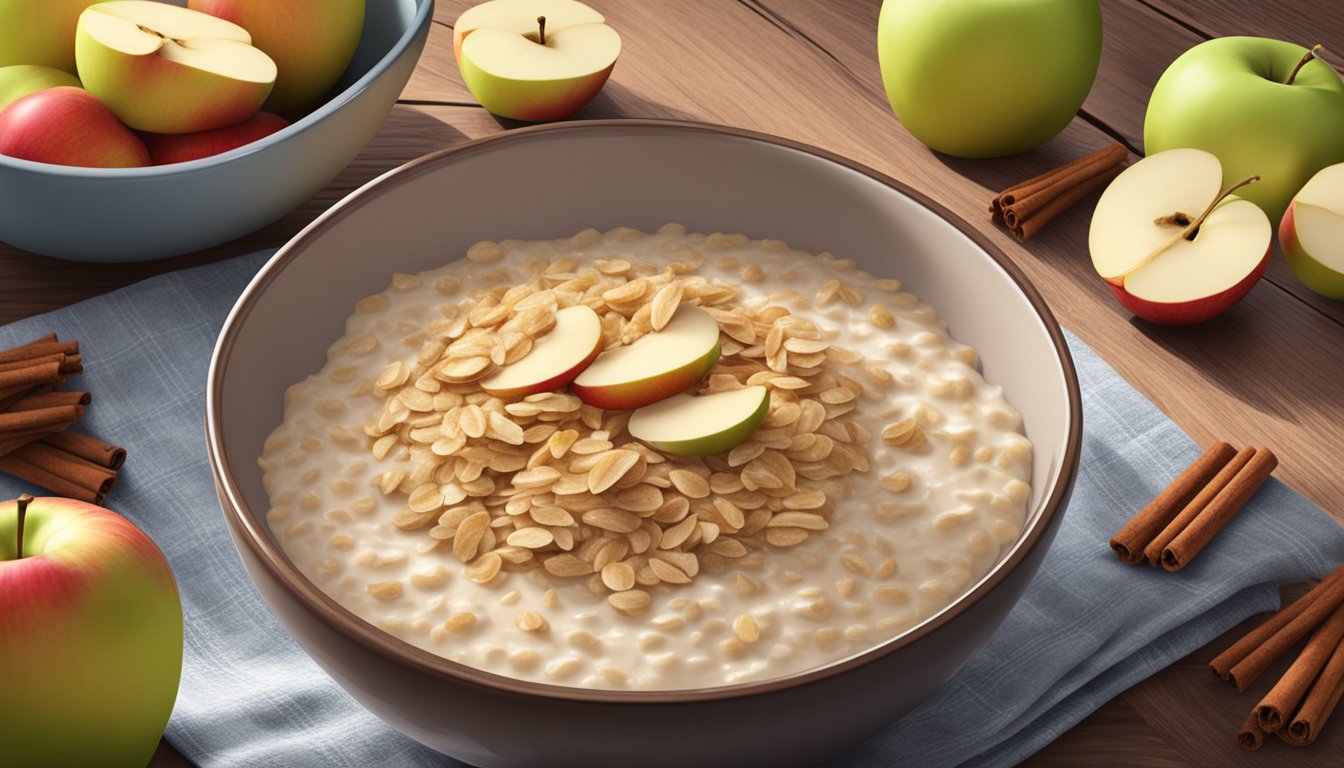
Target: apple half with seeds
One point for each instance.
(690, 425)
(656, 366)
(555, 359)
(1174, 247)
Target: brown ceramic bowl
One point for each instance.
(552, 181)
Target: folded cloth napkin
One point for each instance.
(1087, 628)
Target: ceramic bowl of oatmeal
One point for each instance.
(525, 569)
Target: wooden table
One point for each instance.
(1268, 371)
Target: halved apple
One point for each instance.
(1312, 233)
(166, 69)
(657, 366)
(555, 359)
(1173, 248)
(698, 426)
(534, 60)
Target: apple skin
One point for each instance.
(557, 382)
(40, 32)
(940, 63)
(166, 148)
(535, 101)
(1188, 312)
(90, 638)
(68, 126)
(1227, 96)
(637, 394)
(1311, 272)
(311, 41)
(20, 80)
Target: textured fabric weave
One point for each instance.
(1087, 628)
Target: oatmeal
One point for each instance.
(534, 537)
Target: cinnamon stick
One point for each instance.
(1245, 672)
(31, 375)
(1220, 510)
(14, 422)
(1025, 208)
(1284, 697)
(12, 443)
(60, 472)
(1321, 701)
(1223, 663)
(9, 398)
(1251, 736)
(1130, 541)
(51, 398)
(38, 349)
(1201, 500)
(55, 483)
(88, 448)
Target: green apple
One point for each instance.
(689, 425)
(555, 359)
(1173, 246)
(166, 69)
(656, 366)
(1312, 233)
(20, 80)
(534, 60)
(68, 126)
(40, 32)
(311, 42)
(1230, 96)
(986, 78)
(90, 637)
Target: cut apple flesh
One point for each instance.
(1230, 244)
(569, 52)
(656, 366)
(184, 36)
(687, 425)
(520, 17)
(1318, 217)
(555, 359)
(1123, 234)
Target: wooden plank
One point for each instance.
(31, 284)
(1300, 21)
(435, 78)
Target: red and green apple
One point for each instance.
(20, 80)
(68, 126)
(656, 366)
(90, 637)
(1312, 233)
(555, 359)
(165, 148)
(40, 32)
(698, 425)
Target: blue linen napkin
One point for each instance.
(1087, 628)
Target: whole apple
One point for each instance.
(68, 126)
(986, 78)
(165, 148)
(40, 32)
(22, 79)
(1228, 96)
(90, 637)
(311, 41)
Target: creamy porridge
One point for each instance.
(534, 538)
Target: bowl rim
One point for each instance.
(424, 15)
(253, 531)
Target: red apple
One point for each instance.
(657, 366)
(90, 637)
(555, 359)
(68, 126)
(1173, 248)
(165, 148)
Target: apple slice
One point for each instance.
(657, 366)
(534, 60)
(1312, 233)
(555, 359)
(166, 69)
(1172, 247)
(687, 425)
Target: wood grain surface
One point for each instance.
(1268, 371)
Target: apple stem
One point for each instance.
(541, 34)
(23, 511)
(1190, 227)
(1311, 54)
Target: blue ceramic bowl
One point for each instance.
(140, 214)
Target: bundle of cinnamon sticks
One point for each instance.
(1299, 705)
(1027, 207)
(34, 416)
(1185, 516)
